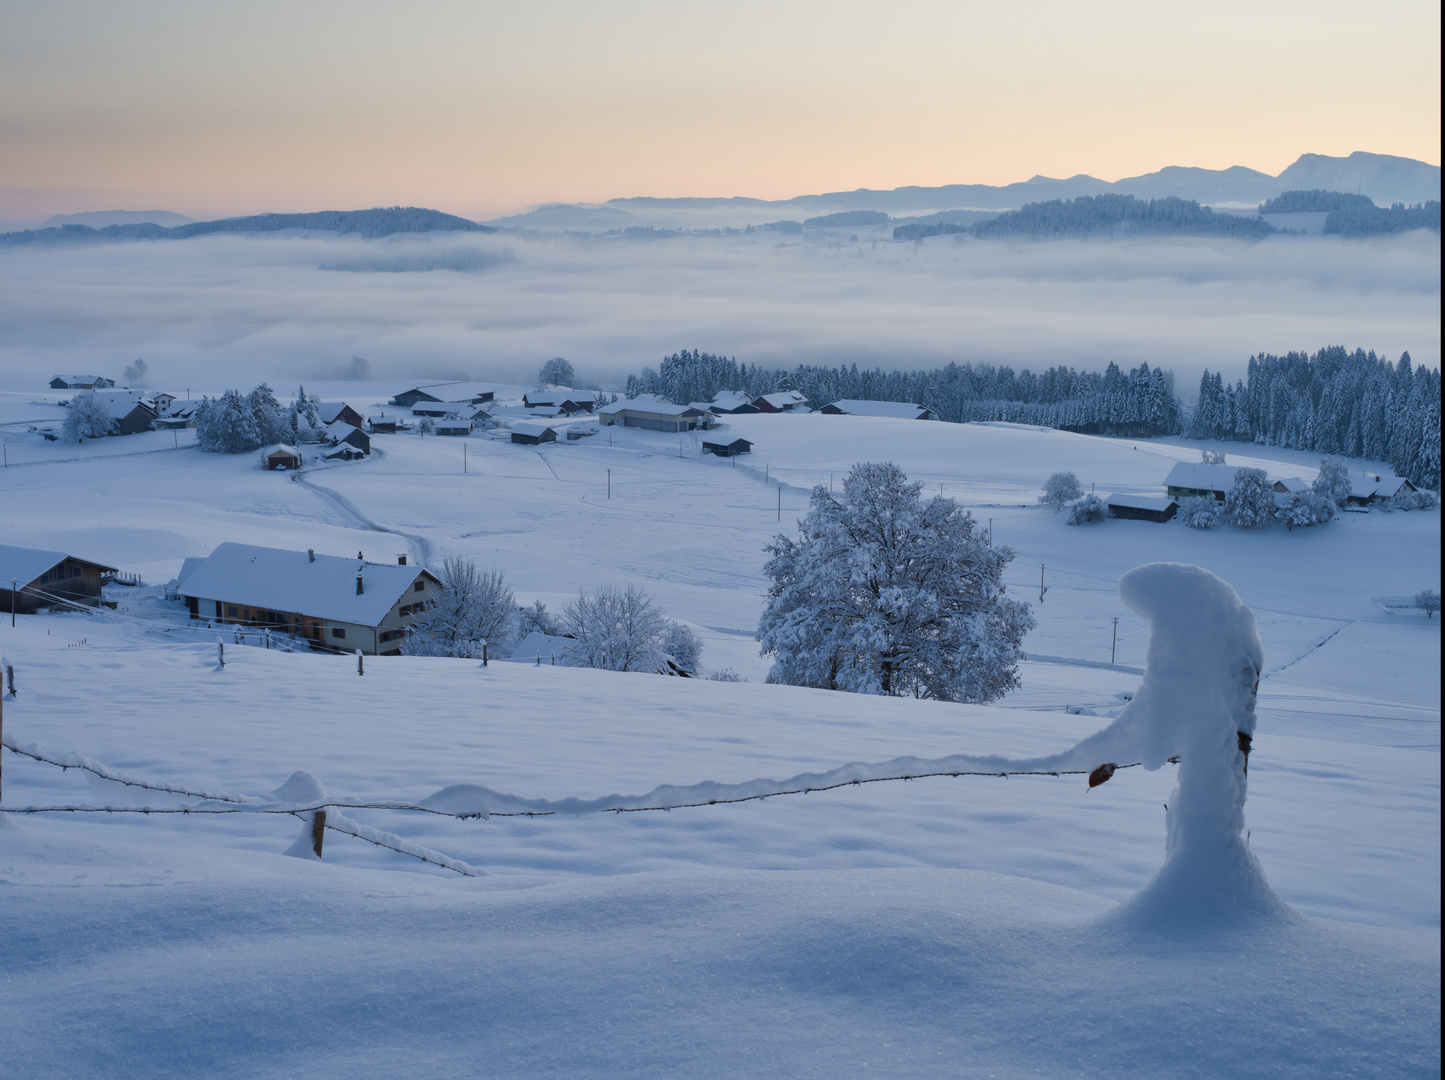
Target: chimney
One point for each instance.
(310, 554)
(401, 560)
(358, 584)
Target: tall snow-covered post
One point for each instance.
(1197, 704)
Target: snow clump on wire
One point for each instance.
(1249, 503)
(1200, 512)
(475, 606)
(623, 629)
(1060, 488)
(1090, 510)
(883, 593)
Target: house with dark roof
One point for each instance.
(332, 603)
(341, 433)
(36, 578)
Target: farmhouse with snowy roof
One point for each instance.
(1158, 508)
(783, 401)
(81, 382)
(565, 401)
(1197, 480)
(341, 434)
(35, 578)
(332, 411)
(131, 411)
(533, 433)
(473, 393)
(732, 403)
(1372, 489)
(655, 413)
(331, 602)
(897, 410)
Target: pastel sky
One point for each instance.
(485, 107)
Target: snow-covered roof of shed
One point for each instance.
(282, 448)
(457, 391)
(278, 580)
(1141, 502)
(533, 427)
(188, 567)
(1201, 477)
(24, 564)
(81, 378)
(897, 409)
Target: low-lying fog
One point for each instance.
(264, 307)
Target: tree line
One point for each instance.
(1139, 402)
(1352, 404)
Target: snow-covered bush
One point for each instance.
(1090, 510)
(1305, 510)
(1201, 512)
(618, 629)
(726, 674)
(883, 593)
(1333, 482)
(474, 606)
(1428, 601)
(88, 417)
(556, 372)
(1212, 457)
(1249, 502)
(1060, 488)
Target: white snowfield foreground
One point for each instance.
(223, 961)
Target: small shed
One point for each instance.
(281, 457)
(728, 449)
(454, 427)
(1160, 508)
(533, 433)
(381, 427)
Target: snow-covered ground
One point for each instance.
(948, 926)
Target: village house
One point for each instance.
(1292, 485)
(1196, 480)
(896, 410)
(1373, 489)
(454, 427)
(533, 433)
(655, 413)
(1160, 508)
(178, 417)
(341, 434)
(783, 401)
(332, 411)
(727, 449)
(332, 603)
(731, 403)
(34, 578)
(81, 382)
(567, 402)
(473, 393)
(131, 410)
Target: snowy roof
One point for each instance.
(533, 427)
(1390, 486)
(456, 391)
(330, 410)
(340, 430)
(121, 402)
(281, 448)
(1141, 502)
(648, 403)
(784, 397)
(1294, 485)
(184, 408)
(25, 564)
(535, 645)
(558, 395)
(1201, 477)
(898, 409)
(188, 567)
(277, 580)
(82, 378)
(731, 398)
(463, 423)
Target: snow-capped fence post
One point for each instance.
(318, 831)
(360, 668)
(221, 652)
(10, 677)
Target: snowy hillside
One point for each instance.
(945, 926)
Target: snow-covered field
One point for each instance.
(948, 926)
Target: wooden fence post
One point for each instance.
(221, 652)
(318, 831)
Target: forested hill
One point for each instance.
(382, 221)
(1118, 215)
(1314, 202)
(1379, 221)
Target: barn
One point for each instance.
(654, 412)
(1160, 508)
(281, 456)
(896, 410)
(728, 449)
(1198, 480)
(533, 433)
(44, 579)
(784, 401)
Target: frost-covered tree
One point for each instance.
(304, 419)
(1428, 601)
(1249, 503)
(1305, 510)
(268, 420)
(134, 374)
(1333, 482)
(1090, 510)
(556, 372)
(1201, 512)
(884, 593)
(475, 606)
(680, 643)
(538, 618)
(87, 417)
(1212, 457)
(615, 629)
(428, 426)
(1060, 488)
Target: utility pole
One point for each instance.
(464, 459)
(14, 584)
(1113, 647)
(780, 502)
(1042, 590)
(609, 483)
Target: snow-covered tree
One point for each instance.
(1090, 510)
(1249, 503)
(680, 643)
(1212, 457)
(1201, 512)
(268, 421)
(884, 593)
(1305, 510)
(1333, 482)
(87, 417)
(304, 419)
(1060, 488)
(615, 629)
(1428, 601)
(134, 374)
(537, 618)
(475, 606)
(428, 426)
(556, 372)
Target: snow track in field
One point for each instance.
(421, 548)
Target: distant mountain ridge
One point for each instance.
(1384, 178)
(382, 221)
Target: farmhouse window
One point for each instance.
(420, 586)
(338, 631)
(231, 611)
